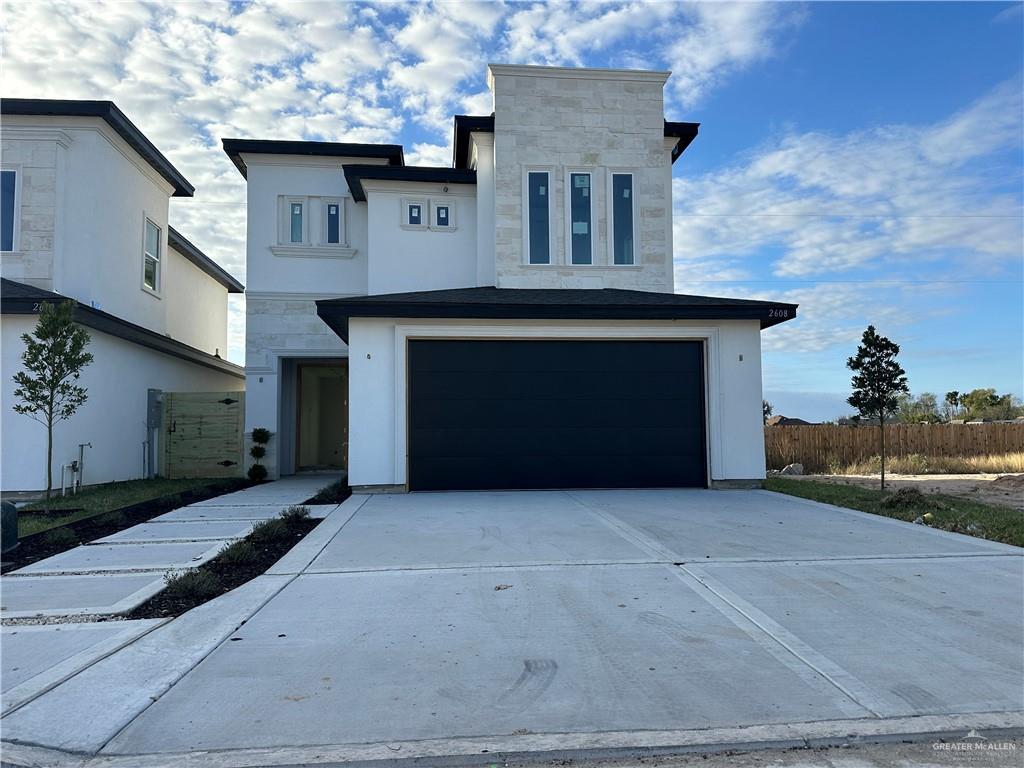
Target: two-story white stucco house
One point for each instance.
(508, 322)
(85, 198)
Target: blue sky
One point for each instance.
(863, 159)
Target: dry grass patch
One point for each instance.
(919, 464)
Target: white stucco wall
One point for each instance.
(198, 313)
(377, 376)
(420, 259)
(83, 198)
(310, 269)
(113, 419)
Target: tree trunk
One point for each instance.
(49, 464)
(881, 443)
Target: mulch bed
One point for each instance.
(335, 493)
(230, 575)
(38, 546)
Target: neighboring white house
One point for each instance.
(508, 322)
(84, 207)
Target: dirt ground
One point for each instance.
(1004, 490)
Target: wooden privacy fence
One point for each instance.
(819, 446)
(201, 434)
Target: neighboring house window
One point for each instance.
(442, 215)
(538, 221)
(8, 191)
(333, 222)
(580, 217)
(151, 257)
(416, 213)
(622, 218)
(295, 221)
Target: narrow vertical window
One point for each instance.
(295, 219)
(333, 224)
(151, 257)
(539, 217)
(415, 214)
(622, 218)
(8, 181)
(581, 241)
(441, 213)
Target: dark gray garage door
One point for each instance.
(555, 414)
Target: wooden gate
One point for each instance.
(202, 434)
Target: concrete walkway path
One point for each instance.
(582, 624)
(43, 604)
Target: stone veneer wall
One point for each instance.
(582, 120)
(285, 327)
(35, 160)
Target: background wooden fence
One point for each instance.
(821, 446)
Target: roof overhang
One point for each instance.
(549, 304)
(466, 125)
(234, 148)
(112, 116)
(21, 299)
(178, 242)
(355, 175)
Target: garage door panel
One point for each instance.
(491, 414)
(550, 414)
(547, 441)
(521, 384)
(481, 473)
(470, 356)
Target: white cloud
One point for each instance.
(888, 196)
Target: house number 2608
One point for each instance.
(778, 313)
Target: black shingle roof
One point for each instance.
(550, 304)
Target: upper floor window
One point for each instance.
(581, 246)
(414, 213)
(151, 257)
(622, 208)
(295, 210)
(333, 222)
(8, 208)
(538, 217)
(442, 216)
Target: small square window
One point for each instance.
(442, 216)
(415, 214)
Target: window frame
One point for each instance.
(569, 173)
(550, 173)
(442, 202)
(16, 208)
(635, 213)
(284, 221)
(157, 289)
(324, 228)
(403, 213)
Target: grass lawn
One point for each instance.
(103, 498)
(949, 513)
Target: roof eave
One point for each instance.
(185, 247)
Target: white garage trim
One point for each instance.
(709, 335)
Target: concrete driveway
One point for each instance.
(463, 622)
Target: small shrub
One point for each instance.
(268, 532)
(909, 499)
(294, 515)
(197, 584)
(257, 451)
(261, 435)
(63, 538)
(257, 473)
(238, 553)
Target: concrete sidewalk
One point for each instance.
(110, 577)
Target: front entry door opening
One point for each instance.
(321, 440)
